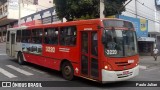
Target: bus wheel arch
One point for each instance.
(67, 69)
(20, 58)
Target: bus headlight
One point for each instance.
(107, 66)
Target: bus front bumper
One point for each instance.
(114, 76)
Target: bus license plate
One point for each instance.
(125, 72)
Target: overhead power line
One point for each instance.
(144, 17)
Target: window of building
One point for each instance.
(8, 36)
(51, 36)
(5, 9)
(37, 36)
(4, 33)
(0, 11)
(26, 36)
(18, 36)
(35, 2)
(68, 36)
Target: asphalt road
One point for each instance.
(10, 70)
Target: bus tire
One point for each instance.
(67, 71)
(20, 59)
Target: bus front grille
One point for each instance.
(122, 63)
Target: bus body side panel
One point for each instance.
(56, 54)
(42, 61)
(8, 43)
(8, 48)
(52, 59)
(50, 56)
(18, 48)
(12, 42)
(36, 59)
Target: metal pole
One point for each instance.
(19, 20)
(101, 8)
(136, 7)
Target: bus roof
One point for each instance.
(18, 28)
(77, 22)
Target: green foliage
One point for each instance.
(77, 9)
(113, 7)
(86, 9)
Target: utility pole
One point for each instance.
(19, 20)
(101, 8)
(136, 7)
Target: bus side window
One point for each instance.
(36, 36)
(68, 36)
(8, 36)
(51, 36)
(18, 36)
(26, 34)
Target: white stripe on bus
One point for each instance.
(19, 70)
(6, 73)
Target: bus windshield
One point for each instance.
(120, 43)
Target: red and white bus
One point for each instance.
(98, 49)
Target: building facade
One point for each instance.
(145, 15)
(46, 16)
(149, 10)
(12, 10)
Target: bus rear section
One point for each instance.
(11, 43)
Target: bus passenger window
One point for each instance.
(36, 36)
(51, 36)
(8, 36)
(68, 36)
(18, 36)
(26, 34)
(94, 45)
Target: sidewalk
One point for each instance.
(2, 48)
(148, 61)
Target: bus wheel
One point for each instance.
(20, 59)
(67, 71)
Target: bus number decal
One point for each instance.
(50, 49)
(111, 52)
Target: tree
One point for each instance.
(113, 7)
(75, 9)
(86, 9)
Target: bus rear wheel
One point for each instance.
(67, 71)
(20, 59)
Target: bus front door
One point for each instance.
(89, 54)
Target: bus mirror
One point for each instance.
(103, 39)
(99, 27)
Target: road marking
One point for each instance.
(6, 73)
(142, 67)
(36, 70)
(3, 54)
(19, 70)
